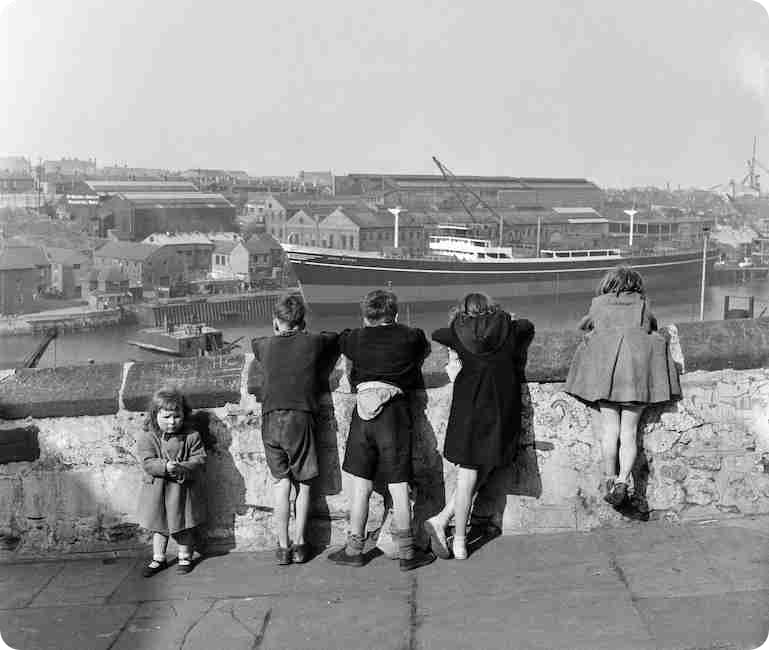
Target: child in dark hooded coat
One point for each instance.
(485, 420)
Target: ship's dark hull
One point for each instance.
(336, 280)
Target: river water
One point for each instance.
(109, 344)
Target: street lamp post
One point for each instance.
(396, 212)
(631, 213)
(705, 234)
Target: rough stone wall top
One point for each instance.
(214, 381)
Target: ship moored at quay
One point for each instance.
(333, 279)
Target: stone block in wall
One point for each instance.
(61, 392)
(716, 345)
(207, 382)
(18, 444)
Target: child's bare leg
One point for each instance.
(302, 510)
(466, 480)
(361, 493)
(628, 446)
(159, 546)
(401, 506)
(281, 495)
(609, 419)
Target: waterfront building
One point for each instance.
(69, 269)
(16, 182)
(15, 165)
(136, 215)
(265, 257)
(24, 274)
(157, 265)
(362, 228)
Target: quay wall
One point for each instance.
(208, 310)
(64, 322)
(69, 476)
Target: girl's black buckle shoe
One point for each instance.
(154, 568)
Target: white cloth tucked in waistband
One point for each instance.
(372, 396)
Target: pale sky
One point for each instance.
(618, 91)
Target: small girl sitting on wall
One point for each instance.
(622, 365)
(172, 501)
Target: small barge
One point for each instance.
(185, 340)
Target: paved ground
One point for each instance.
(649, 586)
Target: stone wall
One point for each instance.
(69, 477)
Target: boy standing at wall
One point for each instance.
(291, 360)
(386, 362)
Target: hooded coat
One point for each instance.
(485, 420)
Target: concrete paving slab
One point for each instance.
(79, 627)
(646, 537)
(195, 624)
(671, 573)
(741, 555)
(454, 579)
(559, 619)
(241, 575)
(537, 551)
(20, 583)
(161, 624)
(84, 582)
(381, 622)
(735, 620)
(234, 624)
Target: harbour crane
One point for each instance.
(453, 181)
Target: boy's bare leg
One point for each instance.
(302, 510)
(361, 493)
(281, 494)
(401, 505)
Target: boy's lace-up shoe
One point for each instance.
(344, 558)
(420, 558)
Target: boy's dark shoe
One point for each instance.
(283, 555)
(344, 558)
(301, 553)
(420, 558)
(154, 568)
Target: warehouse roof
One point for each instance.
(175, 198)
(21, 257)
(125, 250)
(117, 187)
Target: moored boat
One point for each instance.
(334, 279)
(185, 340)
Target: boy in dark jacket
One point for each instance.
(292, 360)
(386, 362)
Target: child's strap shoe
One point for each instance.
(153, 568)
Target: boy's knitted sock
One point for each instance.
(354, 544)
(405, 544)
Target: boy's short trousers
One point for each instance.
(289, 444)
(381, 447)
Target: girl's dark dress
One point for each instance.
(485, 420)
(622, 359)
